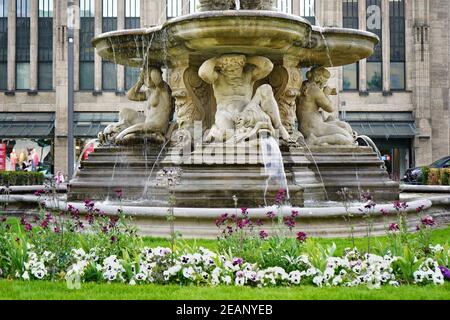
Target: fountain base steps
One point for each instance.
(212, 174)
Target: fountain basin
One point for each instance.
(203, 35)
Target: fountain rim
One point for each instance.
(236, 14)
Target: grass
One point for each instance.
(17, 289)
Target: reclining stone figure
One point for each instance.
(158, 108)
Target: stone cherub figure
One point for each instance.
(317, 128)
(158, 107)
(233, 77)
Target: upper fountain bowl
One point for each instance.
(200, 36)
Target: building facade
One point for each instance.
(399, 96)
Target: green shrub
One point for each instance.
(445, 181)
(434, 177)
(425, 173)
(21, 178)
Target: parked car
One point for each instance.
(414, 175)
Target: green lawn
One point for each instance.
(18, 289)
(47, 290)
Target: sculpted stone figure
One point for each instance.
(127, 118)
(233, 77)
(314, 96)
(158, 107)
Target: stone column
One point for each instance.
(98, 60)
(363, 63)
(34, 16)
(185, 6)
(422, 92)
(76, 53)
(120, 26)
(12, 45)
(155, 12)
(409, 44)
(386, 53)
(296, 7)
(61, 101)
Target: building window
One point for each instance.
(45, 43)
(374, 62)
(174, 8)
(350, 20)
(87, 31)
(132, 14)
(193, 5)
(284, 6)
(307, 10)
(109, 70)
(132, 21)
(397, 36)
(23, 44)
(3, 44)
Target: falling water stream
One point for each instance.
(273, 164)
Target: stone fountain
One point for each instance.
(235, 116)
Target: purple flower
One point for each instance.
(221, 220)
(28, 227)
(113, 239)
(259, 222)
(23, 221)
(237, 261)
(244, 211)
(301, 236)
(445, 272)
(420, 209)
(89, 204)
(367, 196)
(294, 213)
(271, 214)
(289, 222)
(384, 212)
(394, 227)
(370, 204)
(119, 193)
(113, 221)
(263, 234)
(44, 224)
(242, 223)
(280, 196)
(428, 221)
(38, 193)
(404, 205)
(397, 205)
(56, 230)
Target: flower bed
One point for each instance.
(64, 246)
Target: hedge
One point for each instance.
(21, 178)
(436, 176)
